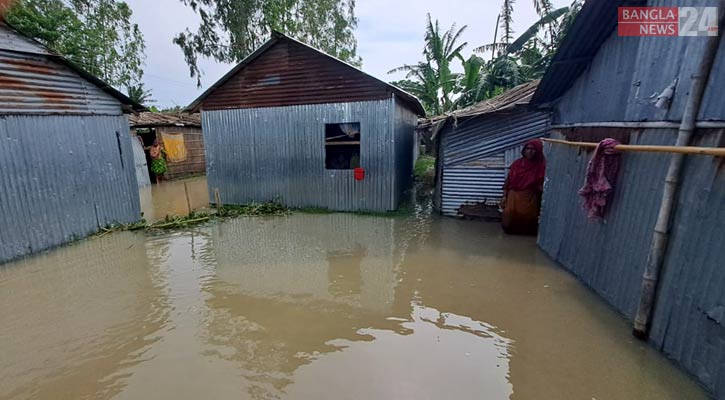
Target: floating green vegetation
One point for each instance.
(196, 218)
(253, 209)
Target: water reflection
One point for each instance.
(74, 317)
(169, 198)
(313, 307)
(442, 356)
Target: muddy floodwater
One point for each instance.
(316, 306)
(169, 198)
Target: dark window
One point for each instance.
(342, 146)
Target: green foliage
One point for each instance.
(513, 62)
(424, 172)
(252, 209)
(424, 165)
(432, 80)
(231, 29)
(174, 109)
(139, 94)
(95, 34)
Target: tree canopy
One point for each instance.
(98, 35)
(231, 29)
(513, 60)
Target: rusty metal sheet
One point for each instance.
(33, 84)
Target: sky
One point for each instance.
(389, 34)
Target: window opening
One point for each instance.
(342, 146)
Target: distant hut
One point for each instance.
(181, 135)
(476, 146)
(66, 163)
(601, 85)
(292, 123)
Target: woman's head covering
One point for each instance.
(526, 174)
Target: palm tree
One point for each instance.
(424, 85)
(138, 94)
(434, 76)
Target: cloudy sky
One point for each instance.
(389, 34)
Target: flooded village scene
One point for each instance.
(364, 199)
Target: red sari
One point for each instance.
(522, 192)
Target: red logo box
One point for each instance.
(648, 21)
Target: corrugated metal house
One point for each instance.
(476, 146)
(599, 85)
(291, 123)
(180, 134)
(66, 160)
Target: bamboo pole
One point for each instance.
(660, 236)
(694, 150)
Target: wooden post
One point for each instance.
(188, 203)
(217, 198)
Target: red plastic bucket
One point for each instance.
(359, 174)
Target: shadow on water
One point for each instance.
(313, 307)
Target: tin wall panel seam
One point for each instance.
(262, 154)
(63, 177)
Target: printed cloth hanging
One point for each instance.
(174, 146)
(601, 178)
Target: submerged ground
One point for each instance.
(315, 306)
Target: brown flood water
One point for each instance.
(169, 198)
(334, 306)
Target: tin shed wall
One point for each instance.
(263, 154)
(35, 84)
(405, 147)
(474, 152)
(63, 178)
(626, 71)
(609, 256)
(290, 73)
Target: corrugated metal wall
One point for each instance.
(263, 154)
(10, 40)
(633, 68)
(63, 177)
(139, 158)
(406, 144)
(609, 256)
(474, 155)
(33, 84)
(289, 73)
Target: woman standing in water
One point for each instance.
(158, 160)
(522, 191)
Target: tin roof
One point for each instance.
(13, 40)
(290, 74)
(164, 119)
(595, 22)
(517, 96)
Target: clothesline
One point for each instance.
(706, 151)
